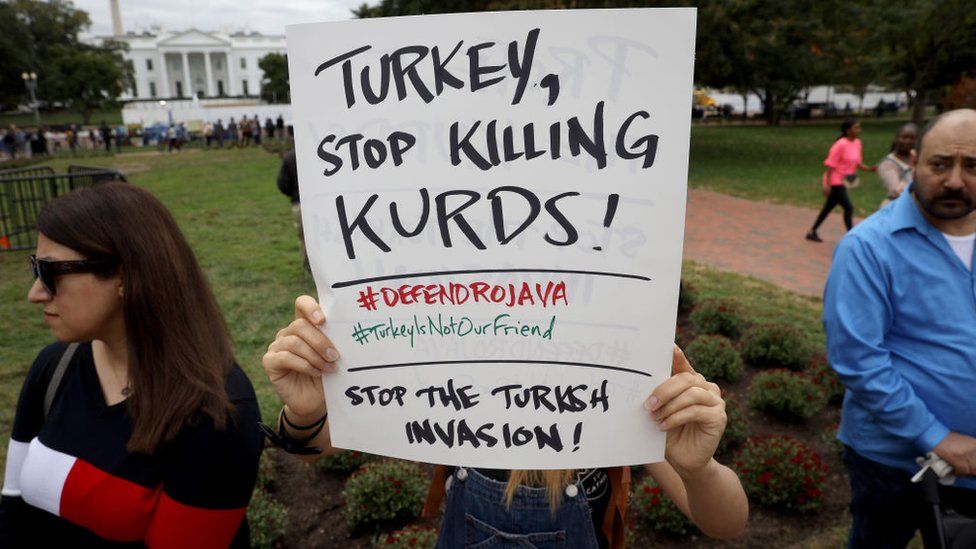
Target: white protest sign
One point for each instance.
(494, 211)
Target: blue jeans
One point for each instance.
(888, 508)
(476, 517)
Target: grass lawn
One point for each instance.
(110, 116)
(783, 164)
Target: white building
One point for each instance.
(194, 63)
(197, 63)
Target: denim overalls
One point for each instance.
(475, 517)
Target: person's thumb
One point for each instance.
(679, 363)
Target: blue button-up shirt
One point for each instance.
(900, 317)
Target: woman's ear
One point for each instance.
(121, 283)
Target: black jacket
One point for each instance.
(288, 176)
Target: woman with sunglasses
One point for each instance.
(136, 427)
(490, 507)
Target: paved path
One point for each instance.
(760, 239)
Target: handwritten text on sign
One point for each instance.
(494, 210)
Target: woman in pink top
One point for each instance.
(843, 161)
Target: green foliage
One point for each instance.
(829, 436)
(411, 537)
(785, 394)
(736, 428)
(655, 510)
(345, 461)
(782, 473)
(775, 346)
(718, 316)
(715, 357)
(266, 472)
(266, 519)
(278, 146)
(687, 296)
(87, 78)
(826, 378)
(384, 490)
(274, 86)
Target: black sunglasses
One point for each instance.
(48, 271)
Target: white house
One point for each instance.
(197, 63)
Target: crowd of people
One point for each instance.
(16, 142)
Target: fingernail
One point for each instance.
(317, 315)
(331, 354)
(650, 403)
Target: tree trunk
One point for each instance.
(745, 106)
(770, 112)
(918, 108)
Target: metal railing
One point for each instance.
(25, 191)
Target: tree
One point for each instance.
(930, 43)
(16, 57)
(274, 86)
(87, 78)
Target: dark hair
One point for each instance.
(846, 125)
(903, 127)
(179, 348)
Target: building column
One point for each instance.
(231, 77)
(187, 84)
(209, 74)
(164, 90)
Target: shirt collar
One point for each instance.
(906, 214)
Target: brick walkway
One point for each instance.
(762, 240)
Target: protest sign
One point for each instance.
(494, 211)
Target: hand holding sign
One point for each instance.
(691, 411)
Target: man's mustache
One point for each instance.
(954, 194)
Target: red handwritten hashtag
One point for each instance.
(367, 299)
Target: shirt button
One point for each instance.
(462, 474)
(572, 490)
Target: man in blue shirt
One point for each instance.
(900, 317)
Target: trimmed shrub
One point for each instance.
(714, 357)
(411, 537)
(775, 346)
(780, 472)
(687, 296)
(266, 472)
(384, 490)
(788, 395)
(735, 429)
(265, 520)
(717, 316)
(826, 378)
(345, 461)
(655, 510)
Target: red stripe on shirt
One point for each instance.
(112, 507)
(184, 526)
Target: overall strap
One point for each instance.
(435, 493)
(615, 519)
(52, 386)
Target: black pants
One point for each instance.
(888, 508)
(838, 195)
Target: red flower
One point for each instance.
(765, 477)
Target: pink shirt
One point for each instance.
(843, 159)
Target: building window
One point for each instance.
(243, 63)
(220, 88)
(152, 89)
(179, 89)
(149, 65)
(135, 90)
(218, 63)
(244, 84)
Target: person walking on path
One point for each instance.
(218, 131)
(843, 161)
(900, 321)
(895, 169)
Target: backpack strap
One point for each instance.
(615, 519)
(52, 386)
(435, 493)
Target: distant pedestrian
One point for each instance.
(9, 142)
(106, 134)
(245, 132)
(280, 127)
(218, 131)
(171, 139)
(208, 130)
(843, 161)
(288, 185)
(895, 169)
(232, 131)
(20, 142)
(256, 130)
(71, 135)
(269, 128)
(38, 143)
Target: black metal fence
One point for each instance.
(25, 191)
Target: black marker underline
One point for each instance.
(347, 283)
(544, 362)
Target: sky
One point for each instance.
(264, 16)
